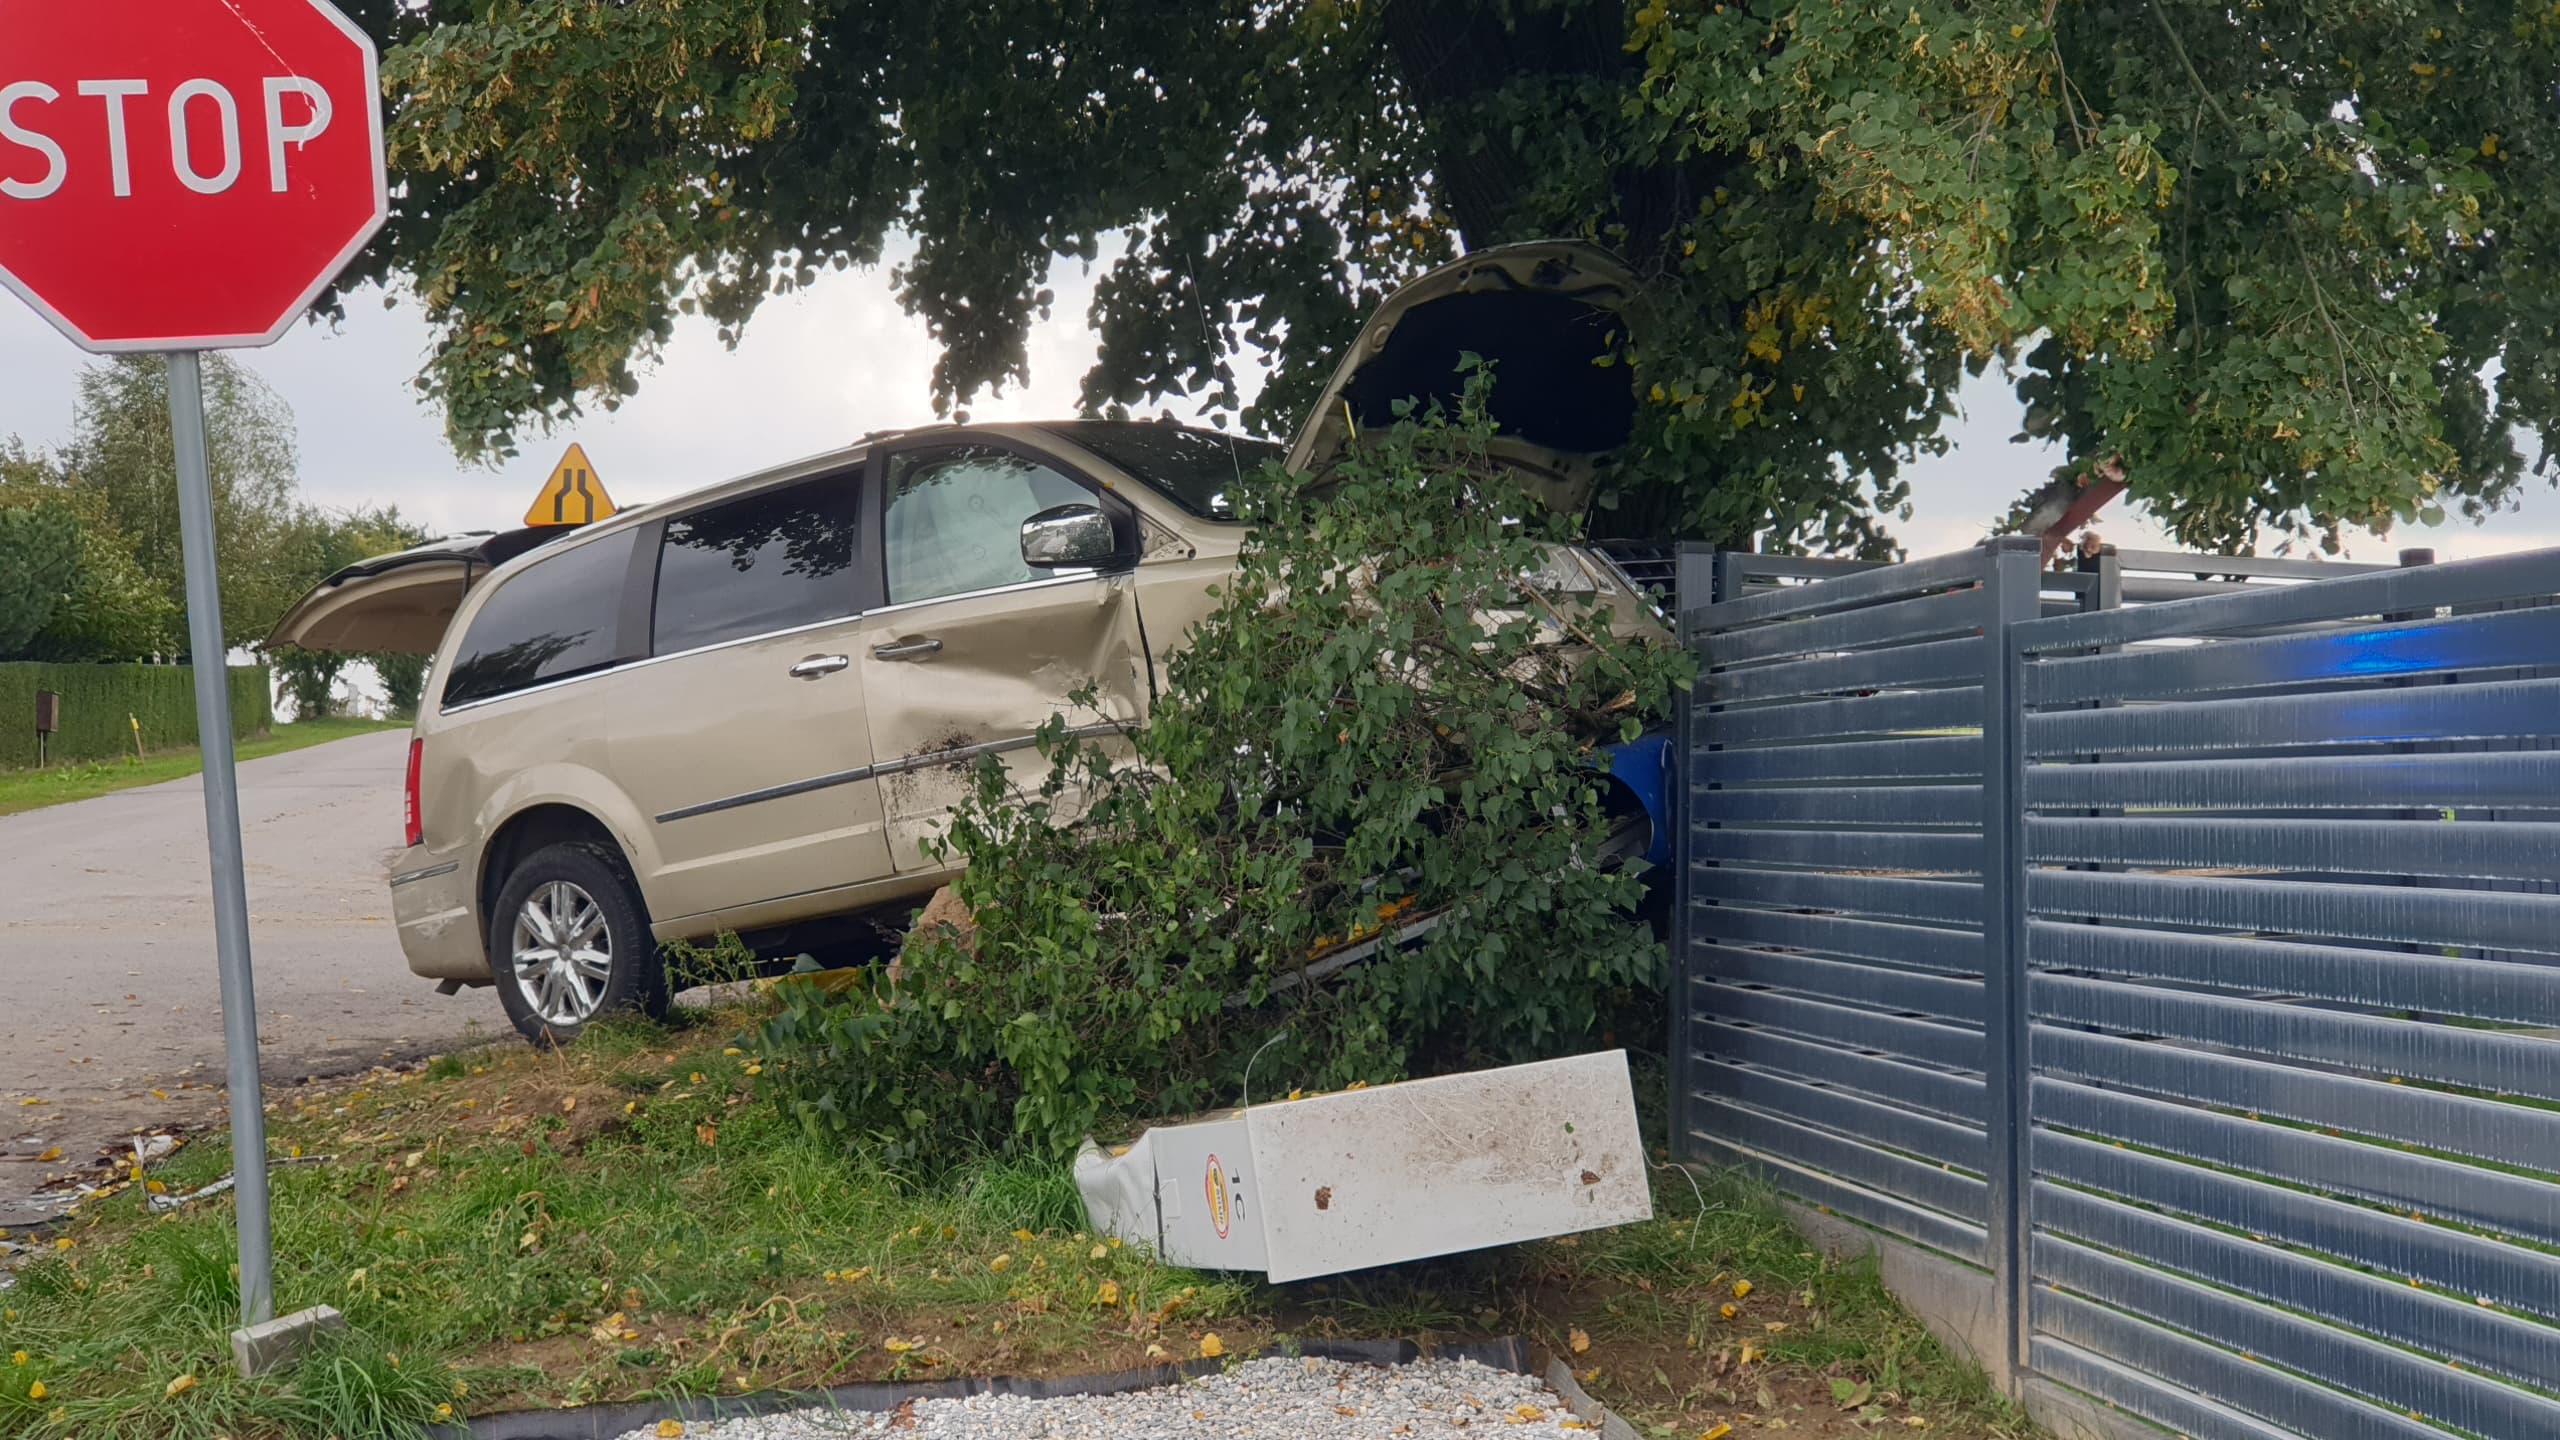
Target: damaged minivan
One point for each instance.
(750, 709)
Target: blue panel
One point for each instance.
(2504, 640)
(2521, 708)
(1645, 767)
(2391, 592)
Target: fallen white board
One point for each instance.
(1347, 1181)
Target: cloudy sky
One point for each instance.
(821, 367)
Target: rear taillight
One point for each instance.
(409, 796)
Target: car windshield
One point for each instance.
(1195, 469)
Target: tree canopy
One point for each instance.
(108, 495)
(2276, 263)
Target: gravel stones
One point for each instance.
(1278, 1398)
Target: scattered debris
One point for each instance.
(162, 1203)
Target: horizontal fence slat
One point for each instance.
(2411, 915)
(1956, 902)
(2452, 1124)
(1857, 1161)
(1924, 946)
(2389, 979)
(2223, 567)
(2391, 592)
(1859, 805)
(1937, 852)
(1854, 1115)
(2473, 850)
(2337, 1357)
(2500, 780)
(2469, 1265)
(1957, 1097)
(2316, 1412)
(1921, 1226)
(1896, 622)
(1846, 981)
(1864, 587)
(1955, 708)
(2175, 1407)
(2440, 1189)
(1929, 662)
(2499, 640)
(1948, 757)
(2454, 1329)
(2481, 1060)
(2510, 709)
(1952, 1046)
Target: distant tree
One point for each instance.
(39, 569)
(2263, 259)
(312, 545)
(404, 681)
(121, 454)
(111, 610)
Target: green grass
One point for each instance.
(634, 1219)
(60, 784)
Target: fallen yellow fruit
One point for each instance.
(1108, 1294)
(670, 1430)
(1741, 1289)
(180, 1386)
(1211, 1347)
(1579, 1340)
(37, 1391)
(1718, 1433)
(896, 1346)
(1000, 1264)
(1025, 1236)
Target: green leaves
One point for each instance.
(1408, 735)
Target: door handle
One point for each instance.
(907, 649)
(818, 665)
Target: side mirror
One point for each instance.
(1071, 537)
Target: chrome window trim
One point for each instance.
(643, 663)
(1063, 577)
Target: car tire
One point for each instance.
(569, 944)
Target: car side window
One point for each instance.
(764, 562)
(955, 519)
(556, 618)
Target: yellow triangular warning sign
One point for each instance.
(572, 496)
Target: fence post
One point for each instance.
(2013, 582)
(1697, 581)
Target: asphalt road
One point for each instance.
(108, 988)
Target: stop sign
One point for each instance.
(184, 174)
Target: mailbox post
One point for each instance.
(48, 721)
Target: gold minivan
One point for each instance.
(749, 709)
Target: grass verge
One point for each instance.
(22, 790)
(508, 1229)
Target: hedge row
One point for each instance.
(98, 699)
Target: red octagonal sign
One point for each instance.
(184, 174)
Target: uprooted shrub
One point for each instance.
(1391, 719)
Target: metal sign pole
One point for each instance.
(222, 834)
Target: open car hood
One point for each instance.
(1543, 313)
(400, 604)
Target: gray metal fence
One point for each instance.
(2178, 965)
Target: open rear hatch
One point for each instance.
(400, 604)
(1551, 316)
